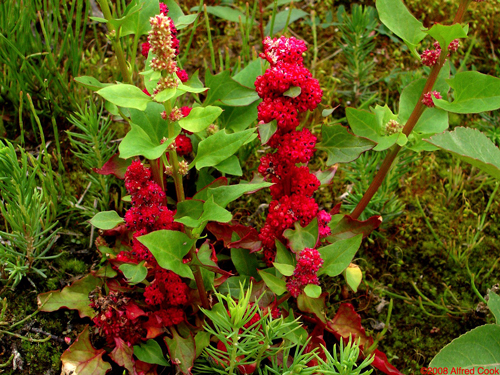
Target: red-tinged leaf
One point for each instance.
(316, 340)
(115, 166)
(154, 327)
(182, 351)
(144, 368)
(348, 227)
(115, 286)
(381, 363)
(249, 237)
(73, 297)
(336, 209)
(83, 358)
(220, 280)
(315, 306)
(325, 177)
(133, 311)
(203, 193)
(119, 231)
(348, 322)
(257, 179)
(212, 266)
(122, 354)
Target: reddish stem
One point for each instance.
(410, 124)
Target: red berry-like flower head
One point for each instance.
(430, 57)
(145, 49)
(183, 145)
(454, 45)
(427, 100)
(182, 74)
(164, 9)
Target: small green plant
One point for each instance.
(357, 39)
(92, 145)
(251, 339)
(30, 227)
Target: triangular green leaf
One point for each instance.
(339, 255)
(472, 146)
(169, 248)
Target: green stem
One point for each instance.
(315, 40)
(209, 35)
(179, 189)
(115, 41)
(485, 213)
(273, 17)
(410, 124)
(473, 284)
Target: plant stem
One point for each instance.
(115, 41)
(410, 124)
(179, 189)
(283, 298)
(209, 35)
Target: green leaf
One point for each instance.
(300, 238)
(187, 88)
(245, 262)
(494, 305)
(135, 273)
(127, 96)
(73, 297)
(230, 166)
(169, 248)
(276, 285)
(106, 220)
(123, 354)
(91, 83)
(174, 10)
(213, 212)
(184, 21)
(201, 341)
(220, 146)
(472, 146)
(148, 130)
(293, 92)
(314, 306)
(249, 73)
(398, 19)
(200, 118)
(342, 146)
(82, 358)
(285, 269)
(228, 14)
(281, 19)
(477, 348)
(474, 92)
(138, 23)
(191, 209)
(339, 255)
(226, 90)
(237, 119)
(266, 131)
(433, 120)
(312, 291)
(223, 195)
(284, 256)
(353, 276)
(165, 95)
(182, 349)
(138, 142)
(368, 125)
(150, 352)
(445, 34)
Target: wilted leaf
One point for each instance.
(73, 297)
(83, 358)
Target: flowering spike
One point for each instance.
(427, 100)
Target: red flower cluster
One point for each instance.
(293, 185)
(305, 272)
(167, 293)
(427, 100)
